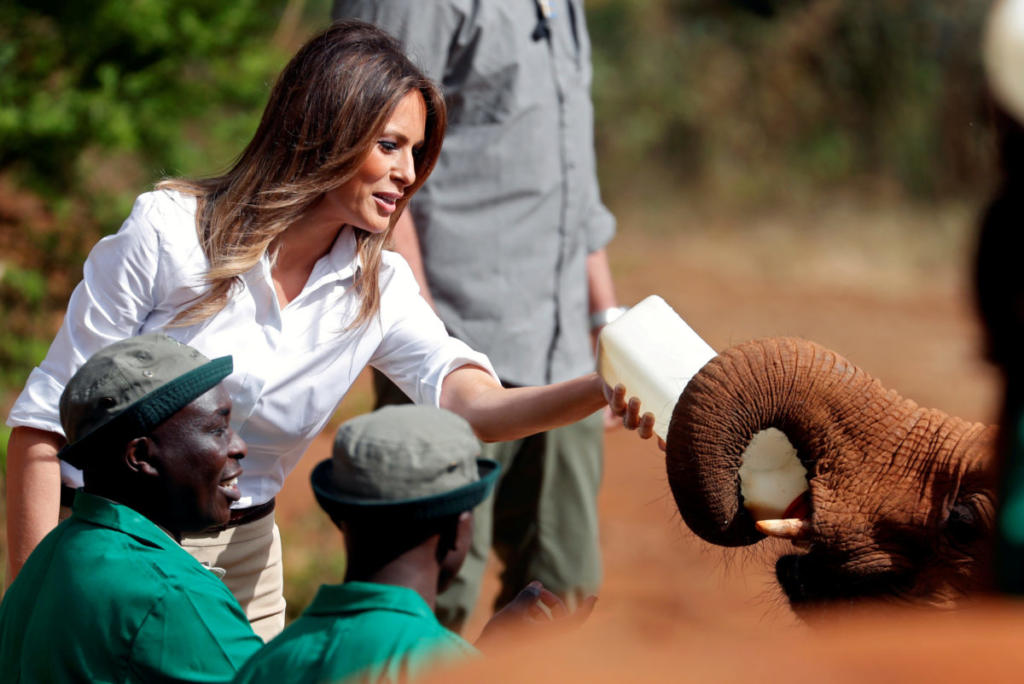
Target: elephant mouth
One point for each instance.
(800, 581)
(813, 579)
(816, 580)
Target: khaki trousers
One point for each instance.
(250, 556)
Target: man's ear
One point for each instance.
(139, 456)
(456, 533)
(464, 530)
(452, 547)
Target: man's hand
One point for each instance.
(534, 606)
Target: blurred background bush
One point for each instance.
(794, 97)
(97, 101)
(704, 107)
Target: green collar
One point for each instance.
(358, 597)
(103, 512)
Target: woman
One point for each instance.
(280, 262)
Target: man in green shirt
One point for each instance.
(109, 595)
(401, 486)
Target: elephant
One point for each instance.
(903, 502)
(901, 499)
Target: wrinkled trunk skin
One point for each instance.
(893, 487)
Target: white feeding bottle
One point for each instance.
(654, 353)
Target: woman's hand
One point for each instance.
(629, 411)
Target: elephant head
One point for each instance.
(900, 503)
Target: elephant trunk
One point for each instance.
(825, 406)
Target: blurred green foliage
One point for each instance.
(5, 433)
(800, 97)
(127, 76)
(307, 571)
(98, 100)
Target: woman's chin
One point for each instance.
(374, 228)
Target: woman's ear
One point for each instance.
(139, 456)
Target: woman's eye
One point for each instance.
(387, 145)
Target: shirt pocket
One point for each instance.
(492, 68)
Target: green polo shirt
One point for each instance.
(357, 631)
(108, 596)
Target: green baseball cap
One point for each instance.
(409, 462)
(128, 388)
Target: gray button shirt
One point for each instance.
(513, 207)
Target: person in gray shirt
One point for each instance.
(508, 242)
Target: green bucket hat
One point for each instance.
(403, 462)
(128, 388)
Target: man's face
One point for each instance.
(197, 454)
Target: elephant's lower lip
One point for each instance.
(812, 580)
(791, 579)
(803, 582)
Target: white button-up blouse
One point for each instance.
(292, 366)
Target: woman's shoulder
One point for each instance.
(395, 273)
(163, 208)
(161, 232)
(167, 217)
(393, 262)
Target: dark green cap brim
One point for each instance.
(442, 505)
(140, 417)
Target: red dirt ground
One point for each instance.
(672, 607)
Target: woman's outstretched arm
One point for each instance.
(499, 414)
(33, 492)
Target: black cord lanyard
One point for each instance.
(544, 15)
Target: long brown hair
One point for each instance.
(324, 115)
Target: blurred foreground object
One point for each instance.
(980, 643)
(1003, 53)
(1000, 293)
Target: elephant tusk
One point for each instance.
(786, 528)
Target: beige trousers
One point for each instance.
(250, 556)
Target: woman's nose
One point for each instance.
(405, 169)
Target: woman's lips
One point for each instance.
(387, 202)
